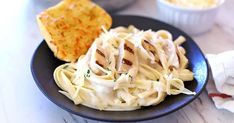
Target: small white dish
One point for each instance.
(193, 21)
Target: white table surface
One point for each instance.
(22, 102)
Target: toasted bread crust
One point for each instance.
(70, 27)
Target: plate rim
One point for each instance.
(119, 120)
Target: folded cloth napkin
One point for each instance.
(222, 89)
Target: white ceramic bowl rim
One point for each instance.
(221, 2)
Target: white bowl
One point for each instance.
(191, 20)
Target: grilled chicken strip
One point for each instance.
(126, 56)
(170, 51)
(151, 50)
(98, 60)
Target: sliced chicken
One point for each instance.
(170, 51)
(126, 56)
(162, 57)
(98, 60)
(151, 50)
(149, 47)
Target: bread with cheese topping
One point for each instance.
(71, 26)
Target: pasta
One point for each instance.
(126, 68)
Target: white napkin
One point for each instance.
(222, 90)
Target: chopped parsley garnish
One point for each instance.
(87, 74)
(115, 78)
(108, 69)
(130, 77)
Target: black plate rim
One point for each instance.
(119, 120)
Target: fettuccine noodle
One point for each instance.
(126, 68)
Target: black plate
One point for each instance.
(43, 64)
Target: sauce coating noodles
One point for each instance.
(126, 68)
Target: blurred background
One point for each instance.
(18, 17)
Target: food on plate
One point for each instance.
(125, 69)
(194, 3)
(71, 26)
